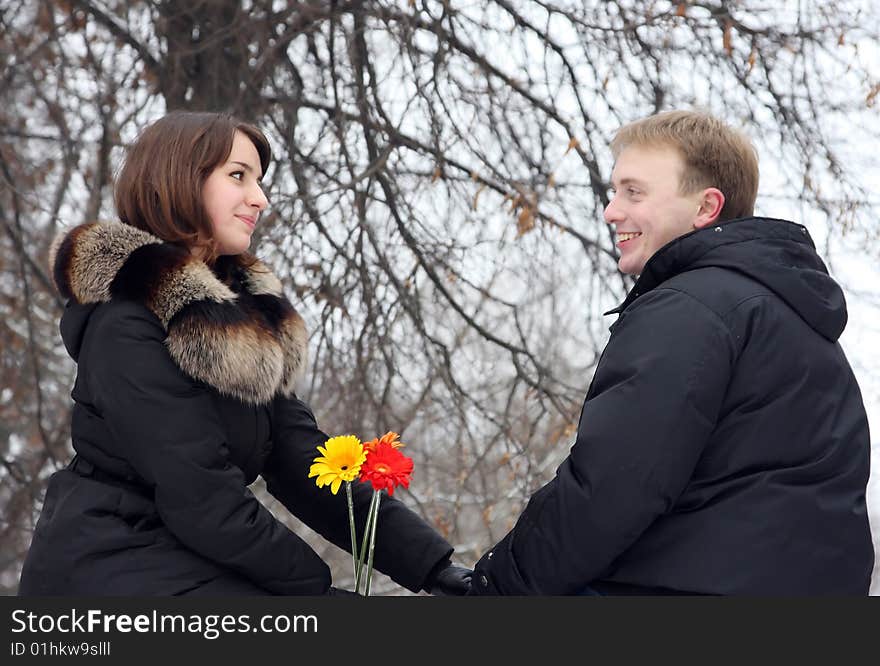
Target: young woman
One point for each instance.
(187, 353)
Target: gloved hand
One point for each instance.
(451, 580)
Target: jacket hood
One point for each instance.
(249, 345)
(777, 253)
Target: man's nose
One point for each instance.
(612, 213)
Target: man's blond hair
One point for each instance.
(714, 155)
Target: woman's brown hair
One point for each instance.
(159, 187)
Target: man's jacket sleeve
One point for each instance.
(653, 403)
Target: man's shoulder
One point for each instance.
(706, 294)
(719, 288)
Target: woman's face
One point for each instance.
(233, 197)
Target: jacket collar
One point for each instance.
(778, 254)
(249, 345)
(692, 249)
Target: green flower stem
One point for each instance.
(354, 551)
(376, 494)
(363, 551)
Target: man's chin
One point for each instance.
(629, 267)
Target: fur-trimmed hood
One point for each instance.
(251, 345)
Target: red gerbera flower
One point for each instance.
(386, 467)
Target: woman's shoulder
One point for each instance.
(119, 321)
(125, 348)
(85, 325)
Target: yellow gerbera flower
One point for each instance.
(340, 460)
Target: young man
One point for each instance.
(723, 445)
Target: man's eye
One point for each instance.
(632, 191)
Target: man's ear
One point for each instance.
(711, 203)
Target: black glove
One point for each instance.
(450, 580)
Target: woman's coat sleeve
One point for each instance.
(407, 548)
(167, 426)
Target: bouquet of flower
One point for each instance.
(379, 462)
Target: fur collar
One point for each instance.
(250, 345)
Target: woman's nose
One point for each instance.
(257, 198)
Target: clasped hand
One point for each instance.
(452, 581)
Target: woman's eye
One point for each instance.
(238, 175)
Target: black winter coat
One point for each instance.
(723, 445)
(183, 396)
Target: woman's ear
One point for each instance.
(711, 203)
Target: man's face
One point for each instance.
(647, 209)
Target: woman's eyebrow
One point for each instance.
(247, 167)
